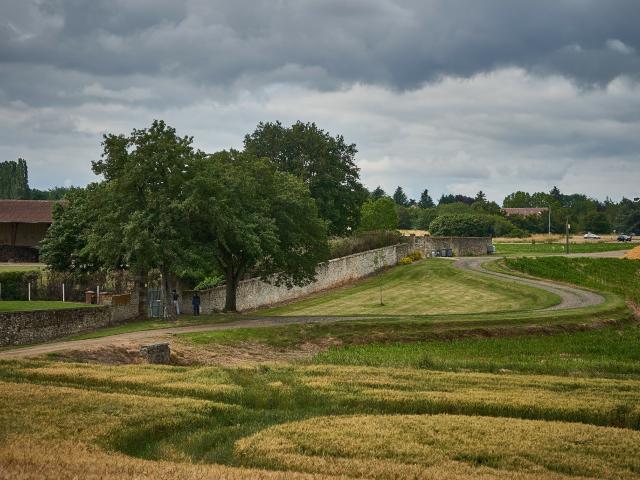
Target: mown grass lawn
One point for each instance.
(427, 287)
(26, 306)
(558, 248)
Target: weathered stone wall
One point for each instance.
(461, 246)
(20, 328)
(254, 293)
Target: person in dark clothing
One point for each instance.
(195, 302)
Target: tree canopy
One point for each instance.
(379, 214)
(425, 200)
(400, 197)
(325, 163)
(254, 219)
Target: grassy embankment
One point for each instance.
(557, 248)
(620, 276)
(427, 287)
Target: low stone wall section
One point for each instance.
(21, 328)
(461, 246)
(254, 293)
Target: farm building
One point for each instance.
(23, 224)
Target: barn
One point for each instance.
(23, 224)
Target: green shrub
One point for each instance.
(362, 241)
(415, 256)
(14, 284)
(461, 225)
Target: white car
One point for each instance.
(591, 236)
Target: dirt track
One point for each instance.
(572, 297)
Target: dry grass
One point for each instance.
(445, 446)
(554, 238)
(633, 254)
(25, 458)
(62, 420)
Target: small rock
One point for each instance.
(156, 353)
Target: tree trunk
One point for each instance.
(142, 295)
(231, 288)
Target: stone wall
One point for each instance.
(254, 293)
(20, 328)
(461, 246)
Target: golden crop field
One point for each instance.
(69, 420)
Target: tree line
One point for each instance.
(160, 208)
(461, 214)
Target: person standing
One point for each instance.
(176, 301)
(195, 302)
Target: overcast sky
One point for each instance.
(451, 95)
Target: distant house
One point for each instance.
(524, 212)
(23, 224)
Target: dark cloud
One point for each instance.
(397, 44)
(448, 94)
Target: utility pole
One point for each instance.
(567, 227)
(549, 219)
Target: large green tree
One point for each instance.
(255, 220)
(325, 163)
(140, 224)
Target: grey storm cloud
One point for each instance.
(453, 95)
(326, 44)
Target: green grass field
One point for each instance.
(607, 352)
(25, 306)
(427, 287)
(558, 248)
(616, 275)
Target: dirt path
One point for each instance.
(572, 297)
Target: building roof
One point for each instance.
(26, 211)
(525, 212)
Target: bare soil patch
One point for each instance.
(182, 354)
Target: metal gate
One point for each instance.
(154, 297)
